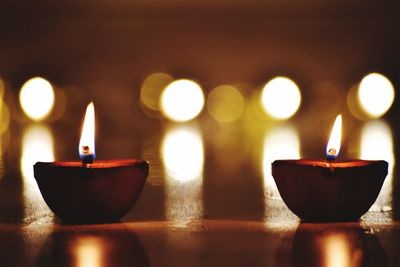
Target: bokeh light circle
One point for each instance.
(4, 117)
(182, 100)
(183, 154)
(36, 98)
(225, 103)
(281, 98)
(152, 88)
(375, 94)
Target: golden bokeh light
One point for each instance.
(152, 88)
(281, 98)
(377, 144)
(4, 111)
(280, 142)
(88, 252)
(4, 117)
(183, 160)
(375, 94)
(1, 159)
(2, 88)
(4, 124)
(225, 103)
(37, 98)
(37, 145)
(183, 155)
(337, 251)
(354, 104)
(182, 100)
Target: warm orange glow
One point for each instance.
(88, 252)
(183, 159)
(182, 100)
(152, 88)
(37, 145)
(37, 98)
(225, 104)
(338, 251)
(376, 143)
(183, 154)
(376, 94)
(86, 144)
(281, 98)
(280, 142)
(333, 147)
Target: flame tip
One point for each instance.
(86, 143)
(333, 146)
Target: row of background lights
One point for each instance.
(183, 100)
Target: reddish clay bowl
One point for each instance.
(98, 192)
(329, 191)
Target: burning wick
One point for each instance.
(86, 157)
(331, 156)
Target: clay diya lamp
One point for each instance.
(329, 190)
(91, 191)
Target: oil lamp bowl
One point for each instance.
(322, 191)
(85, 193)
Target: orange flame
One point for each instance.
(333, 147)
(86, 143)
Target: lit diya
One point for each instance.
(88, 190)
(329, 190)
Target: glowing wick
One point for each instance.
(332, 152)
(86, 157)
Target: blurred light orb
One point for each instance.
(37, 98)
(281, 142)
(152, 88)
(183, 154)
(225, 103)
(281, 98)
(89, 251)
(37, 145)
(182, 100)
(377, 144)
(2, 87)
(4, 117)
(4, 111)
(375, 94)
